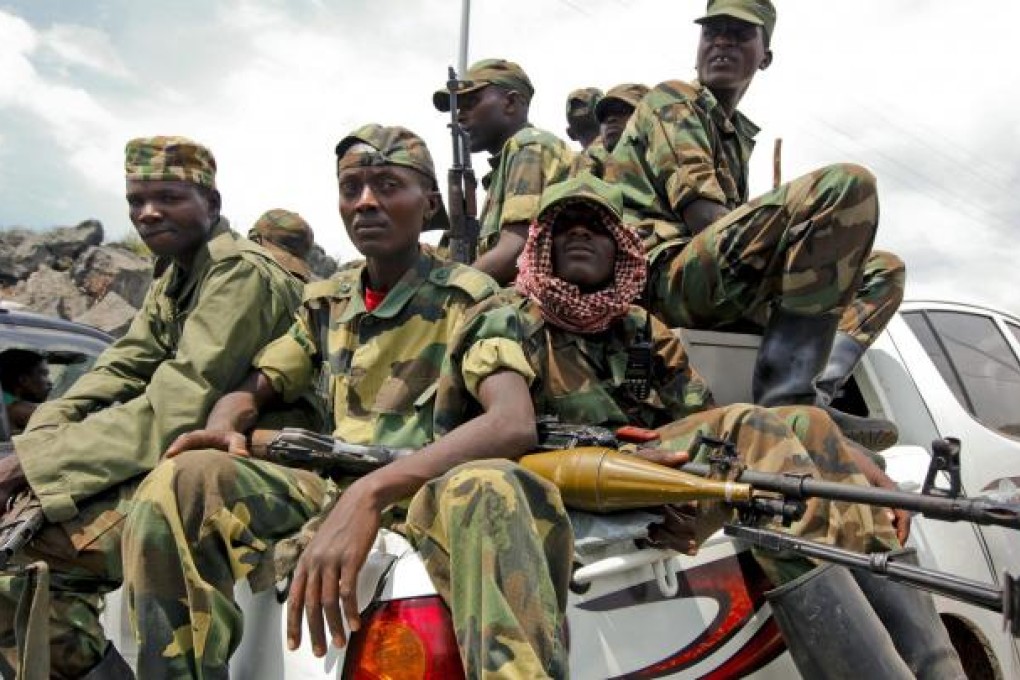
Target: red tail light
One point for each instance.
(405, 640)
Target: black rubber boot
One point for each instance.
(913, 623)
(793, 352)
(874, 433)
(111, 667)
(831, 630)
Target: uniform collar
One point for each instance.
(397, 297)
(739, 123)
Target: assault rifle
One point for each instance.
(461, 186)
(21, 520)
(294, 447)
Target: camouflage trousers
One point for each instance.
(787, 439)
(85, 564)
(201, 522)
(498, 545)
(805, 246)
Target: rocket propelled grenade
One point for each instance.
(599, 479)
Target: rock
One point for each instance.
(23, 252)
(112, 314)
(101, 270)
(51, 292)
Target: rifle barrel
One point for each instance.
(976, 510)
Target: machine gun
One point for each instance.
(461, 186)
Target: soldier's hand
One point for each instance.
(663, 456)
(223, 440)
(12, 480)
(901, 523)
(326, 576)
(677, 531)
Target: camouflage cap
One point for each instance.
(169, 158)
(759, 12)
(628, 93)
(584, 188)
(374, 144)
(487, 72)
(287, 236)
(582, 102)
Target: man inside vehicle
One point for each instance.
(25, 378)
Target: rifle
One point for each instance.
(461, 186)
(294, 447)
(22, 519)
(1004, 600)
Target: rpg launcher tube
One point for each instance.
(598, 479)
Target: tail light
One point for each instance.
(408, 639)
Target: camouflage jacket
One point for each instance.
(530, 161)
(592, 160)
(193, 339)
(679, 146)
(378, 368)
(578, 378)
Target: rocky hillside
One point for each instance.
(70, 273)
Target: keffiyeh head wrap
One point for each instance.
(565, 304)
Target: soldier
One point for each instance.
(582, 126)
(288, 238)
(219, 299)
(573, 336)
(25, 378)
(612, 112)
(372, 340)
(796, 260)
(492, 104)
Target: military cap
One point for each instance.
(288, 237)
(488, 72)
(582, 102)
(584, 188)
(374, 144)
(169, 158)
(758, 12)
(628, 93)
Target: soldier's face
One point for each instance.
(384, 208)
(729, 53)
(172, 217)
(615, 114)
(484, 115)
(36, 385)
(584, 252)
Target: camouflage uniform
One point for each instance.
(85, 453)
(530, 161)
(592, 160)
(580, 113)
(805, 243)
(205, 519)
(580, 379)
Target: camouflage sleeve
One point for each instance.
(288, 361)
(121, 373)
(529, 171)
(488, 341)
(681, 388)
(665, 154)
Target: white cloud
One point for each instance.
(84, 46)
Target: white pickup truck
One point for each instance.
(939, 370)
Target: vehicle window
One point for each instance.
(984, 365)
(918, 323)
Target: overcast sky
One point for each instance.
(920, 91)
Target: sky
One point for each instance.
(916, 90)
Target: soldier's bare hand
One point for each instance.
(677, 531)
(326, 577)
(222, 440)
(663, 456)
(12, 480)
(901, 523)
